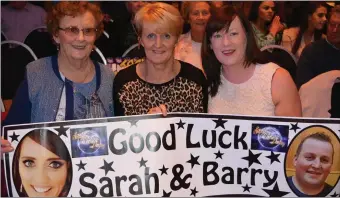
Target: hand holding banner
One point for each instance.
(179, 155)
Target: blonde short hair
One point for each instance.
(166, 16)
(186, 7)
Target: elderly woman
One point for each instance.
(69, 85)
(237, 81)
(160, 83)
(188, 49)
(266, 26)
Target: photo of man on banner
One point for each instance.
(314, 161)
(42, 165)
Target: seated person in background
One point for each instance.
(188, 48)
(19, 18)
(312, 21)
(266, 25)
(313, 162)
(323, 55)
(160, 83)
(126, 30)
(237, 82)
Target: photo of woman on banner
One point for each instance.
(316, 164)
(42, 165)
(160, 83)
(240, 81)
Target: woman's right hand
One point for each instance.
(160, 109)
(6, 146)
(276, 26)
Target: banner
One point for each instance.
(187, 155)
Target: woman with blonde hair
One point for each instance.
(160, 83)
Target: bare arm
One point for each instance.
(285, 95)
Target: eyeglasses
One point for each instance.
(74, 31)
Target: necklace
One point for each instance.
(88, 73)
(166, 91)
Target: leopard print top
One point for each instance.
(185, 93)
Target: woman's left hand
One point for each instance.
(160, 109)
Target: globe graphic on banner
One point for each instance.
(89, 141)
(267, 139)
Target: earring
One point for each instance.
(58, 46)
(21, 188)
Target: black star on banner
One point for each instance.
(81, 165)
(334, 195)
(193, 161)
(180, 124)
(142, 162)
(251, 158)
(165, 194)
(273, 157)
(193, 192)
(133, 122)
(275, 192)
(14, 137)
(218, 154)
(220, 123)
(246, 188)
(107, 167)
(163, 170)
(62, 131)
(294, 127)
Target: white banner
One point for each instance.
(183, 155)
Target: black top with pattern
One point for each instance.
(187, 92)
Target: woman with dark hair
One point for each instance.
(266, 25)
(312, 21)
(237, 82)
(42, 165)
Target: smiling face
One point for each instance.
(230, 46)
(76, 47)
(313, 163)
(266, 11)
(199, 15)
(159, 45)
(318, 19)
(43, 173)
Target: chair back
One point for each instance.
(14, 58)
(98, 56)
(279, 55)
(320, 96)
(335, 100)
(41, 42)
(3, 36)
(134, 52)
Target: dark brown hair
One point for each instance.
(316, 136)
(51, 142)
(221, 18)
(73, 8)
(309, 10)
